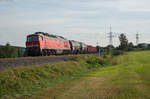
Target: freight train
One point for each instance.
(44, 44)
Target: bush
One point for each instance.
(73, 58)
(95, 60)
(8, 51)
(117, 52)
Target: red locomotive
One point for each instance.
(44, 44)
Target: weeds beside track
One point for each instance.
(29, 80)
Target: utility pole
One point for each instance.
(137, 38)
(99, 54)
(110, 36)
(97, 43)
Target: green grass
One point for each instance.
(27, 81)
(129, 78)
(125, 76)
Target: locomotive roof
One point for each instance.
(76, 41)
(49, 35)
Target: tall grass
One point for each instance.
(29, 80)
(129, 76)
(126, 76)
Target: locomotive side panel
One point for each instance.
(55, 46)
(53, 43)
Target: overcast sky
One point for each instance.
(82, 20)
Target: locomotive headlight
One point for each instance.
(36, 45)
(33, 45)
(29, 46)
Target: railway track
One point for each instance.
(6, 63)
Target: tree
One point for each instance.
(131, 46)
(8, 51)
(98, 47)
(20, 52)
(123, 42)
(110, 46)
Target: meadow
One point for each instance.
(125, 76)
(27, 81)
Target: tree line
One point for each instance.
(129, 46)
(124, 46)
(9, 51)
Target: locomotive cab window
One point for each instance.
(29, 39)
(40, 38)
(35, 38)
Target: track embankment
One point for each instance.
(26, 81)
(127, 79)
(29, 61)
(6, 63)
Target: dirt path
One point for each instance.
(130, 79)
(86, 87)
(106, 83)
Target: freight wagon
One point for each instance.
(92, 49)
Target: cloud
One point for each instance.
(134, 5)
(73, 12)
(21, 22)
(105, 4)
(43, 21)
(75, 19)
(5, 0)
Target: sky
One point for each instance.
(81, 20)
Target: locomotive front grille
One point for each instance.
(33, 51)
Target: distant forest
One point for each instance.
(9, 51)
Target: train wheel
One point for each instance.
(49, 53)
(52, 52)
(43, 53)
(55, 53)
(46, 52)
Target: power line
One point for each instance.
(99, 53)
(97, 43)
(110, 36)
(137, 38)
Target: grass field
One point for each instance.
(127, 78)
(27, 81)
